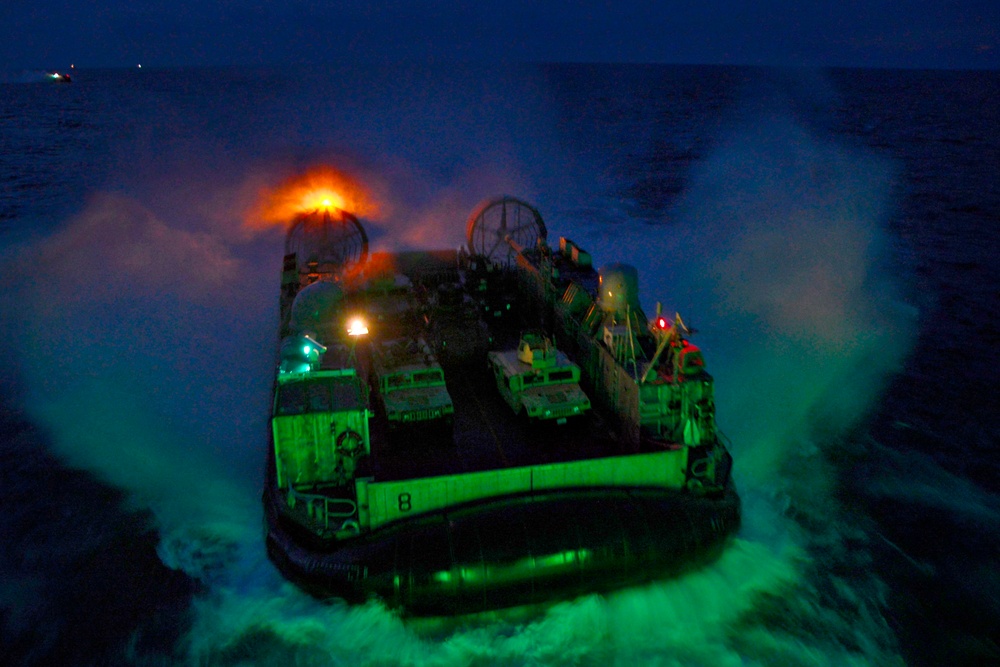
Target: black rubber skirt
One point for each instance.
(512, 550)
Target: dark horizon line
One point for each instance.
(433, 62)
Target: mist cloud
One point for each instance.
(780, 257)
(140, 347)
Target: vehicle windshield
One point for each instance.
(428, 377)
(397, 381)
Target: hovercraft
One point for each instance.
(455, 431)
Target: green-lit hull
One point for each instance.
(502, 507)
(513, 550)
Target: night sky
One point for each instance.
(955, 34)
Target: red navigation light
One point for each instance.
(662, 323)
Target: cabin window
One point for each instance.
(297, 398)
(346, 393)
(302, 397)
(530, 379)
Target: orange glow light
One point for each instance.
(321, 187)
(357, 327)
(321, 199)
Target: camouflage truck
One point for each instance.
(411, 384)
(539, 381)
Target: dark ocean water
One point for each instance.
(833, 235)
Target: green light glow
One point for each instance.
(563, 558)
(500, 572)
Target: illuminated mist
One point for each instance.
(121, 315)
(804, 313)
(775, 253)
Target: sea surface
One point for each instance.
(833, 235)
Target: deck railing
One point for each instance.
(322, 508)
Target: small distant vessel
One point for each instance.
(461, 430)
(60, 77)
